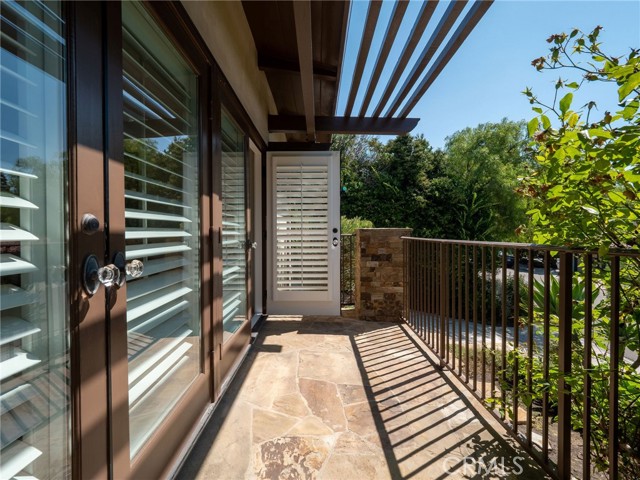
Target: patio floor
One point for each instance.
(335, 398)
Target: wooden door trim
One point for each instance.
(90, 444)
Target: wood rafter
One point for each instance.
(363, 52)
(352, 125)
(302, 17)
(467, 25)
(445, 24)
(320, 71)
(426, 12)
(399, 9)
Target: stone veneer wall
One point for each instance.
(379, 273)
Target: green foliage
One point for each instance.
(350, 225)
(583, 192)
(466, 191)
(400, 184)
(484, 164)
(585, 181)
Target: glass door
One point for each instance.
(161, 223)
(35, 392)
(235, 241)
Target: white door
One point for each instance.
(304, 233)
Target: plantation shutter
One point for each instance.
(302, 230)
(34, 381)
(161, 218)
(234, 228)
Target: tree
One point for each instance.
(484, 164)
(399, 184)
(583, 189)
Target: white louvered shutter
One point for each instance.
(162, 222)
(234, 228)
(34, 321)
(302, 231)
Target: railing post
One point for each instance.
(443, 301)
(614, 361)
(564, 365)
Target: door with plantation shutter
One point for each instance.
(161, 223)
(305, 233)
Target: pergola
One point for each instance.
(301, 48)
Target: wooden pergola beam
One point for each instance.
(363, 52)
(350, 125)
(272, 64)
(302, 18)
(449, 18)
(399, 9)
(467, 25)
(426, 12)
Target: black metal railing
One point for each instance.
(347, 269)
(546, 337)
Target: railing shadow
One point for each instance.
(432, 430)
(413, 420)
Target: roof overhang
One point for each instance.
(301, 46)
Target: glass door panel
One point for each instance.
(34, 317)
(162, 222)
(234, 228)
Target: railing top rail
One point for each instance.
(528, 246)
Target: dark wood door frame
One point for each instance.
(100, 446)
(90, 447)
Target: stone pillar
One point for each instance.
(379, 273)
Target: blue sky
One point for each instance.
(483, 81)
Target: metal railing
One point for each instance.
(545, 337)
(347, 269)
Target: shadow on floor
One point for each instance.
(335, 398)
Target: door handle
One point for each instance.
(134, 268)
(114, 274)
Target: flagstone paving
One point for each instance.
(331, 398)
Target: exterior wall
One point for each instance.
(379, 273)
(224, 28)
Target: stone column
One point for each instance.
(379, 273)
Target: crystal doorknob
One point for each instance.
(109, 275)
(134, 268)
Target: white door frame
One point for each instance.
(325, 301)
(255, 165)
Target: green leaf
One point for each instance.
(532, 126)
(599, 132)
(627, 87)
(546, 123)
(631, 176)
(591, 210)
(537, 109)
(573, 85)
(565, 102)
(616, 197)
(573, 119)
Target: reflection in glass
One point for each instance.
(161, 213)
(234, 228)
(34, 319)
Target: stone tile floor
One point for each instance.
(332, 398)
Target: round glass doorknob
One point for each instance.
(134, 268)
(108, 275)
